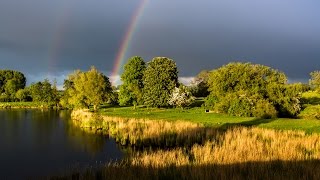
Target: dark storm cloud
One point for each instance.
(202, 34)
(208, 34)
(70, 34)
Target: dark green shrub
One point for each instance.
(4, 98)
(310, 112)
(245, 89)
(264, 109)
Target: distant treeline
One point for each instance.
(13, 89)
(240, 89)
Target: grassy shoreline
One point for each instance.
(236, 152)
(26, 105)
(221, 121)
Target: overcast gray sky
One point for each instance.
(52, 38)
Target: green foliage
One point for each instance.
(245, 89)
(113, 96)
(6, 75)
(315, 80)
(160, 79)
(243, 76)
(86, 88)
(200, 87)
(42, 105)
(264, 109)
(10, 82)
(311, 104)
(22, 95)
(242, 103)
(126, 97)
(43, 92)
(132, 78)
(310, 112)
(286, 99)
(11, 88)
(310, 97)
(4, 98)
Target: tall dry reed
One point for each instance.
(238, 153)
(143, 132)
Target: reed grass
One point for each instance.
(241, 145)
(239, 153)
(201, 152)
(142, 132)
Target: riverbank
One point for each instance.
(26, 105)
(232, 152)
(221, 121)
(144, 132)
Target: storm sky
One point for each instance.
(51, 38)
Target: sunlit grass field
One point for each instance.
(198, 115)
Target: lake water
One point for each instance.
(44, 142)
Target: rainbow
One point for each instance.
(61, 22)
(125, 43)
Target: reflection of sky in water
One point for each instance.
(35, 142)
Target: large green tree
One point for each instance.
(10, 82)
(246, 89)
(84, 89)
(10, 88)
(159, 80)
(22, 95)
(43, 91)
(132, 78)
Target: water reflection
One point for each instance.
(42, 142)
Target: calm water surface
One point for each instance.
(44, 142)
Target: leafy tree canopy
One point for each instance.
(15, 80)
(246, 89)
(22, 95)
(159, 80)
(43, 92)
(86, 88)
(132, 78)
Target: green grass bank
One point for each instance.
(221, 148)
(26, 105)
(221, 121)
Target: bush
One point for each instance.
(310, 112)
(264, 109)
(4, 98)
(310, 97)
(240, 107)
(245, 89)
(181, 97)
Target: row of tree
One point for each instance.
(241, 89)
(13, 88)
(150, 84)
